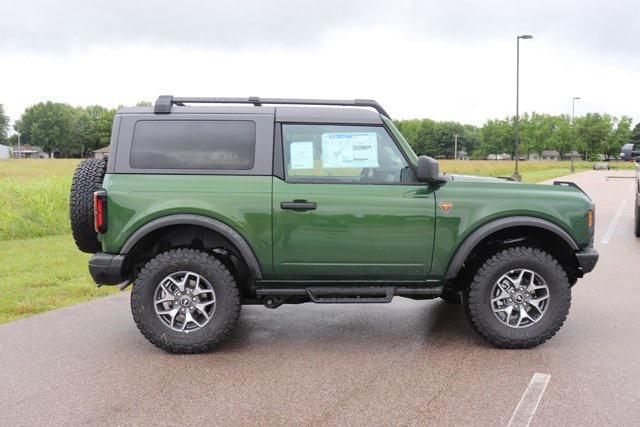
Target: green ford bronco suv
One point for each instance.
(287, 201)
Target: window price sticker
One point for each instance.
(350, 150)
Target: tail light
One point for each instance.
(100, 211)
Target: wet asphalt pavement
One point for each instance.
(408, 362)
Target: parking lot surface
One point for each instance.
(408, 362)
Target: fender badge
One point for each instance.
(445, 207)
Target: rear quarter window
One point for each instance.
(193, 144)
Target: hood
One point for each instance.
(473, 178)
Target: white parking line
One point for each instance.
(530, 400)
(613, 223)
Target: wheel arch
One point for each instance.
(483, 232)
(214, 225)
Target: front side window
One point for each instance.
(342, 154)
(193, 144)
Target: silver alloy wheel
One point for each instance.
(184, 301)
(520, 298)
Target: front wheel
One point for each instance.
(185, 301)
(519, 298)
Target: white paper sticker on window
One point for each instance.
(350, 150)
(301, 155)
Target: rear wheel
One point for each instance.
(185, 301)
(519, 298)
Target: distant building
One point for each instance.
(5, 152)
(576, 156)
(28, 151)
(101, 153)
(462, 155)
(552, 155)
(501, 156)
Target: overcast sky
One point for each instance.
(446, 60)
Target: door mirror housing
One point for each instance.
(428, 170)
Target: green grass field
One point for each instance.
(40, 267)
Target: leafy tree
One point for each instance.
(497, 136)
(620, 134)
(562, 139)
(591, 131)
(92, 128)
(143, 104)
(48, 125)
(536, 133)
(4, 125)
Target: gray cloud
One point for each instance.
(55, 26)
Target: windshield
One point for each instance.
(413, 158)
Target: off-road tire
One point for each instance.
(227, 301)
(478, 298)
(86, 180)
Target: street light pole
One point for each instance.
(573, 129)
(455, 149)
(516, 175)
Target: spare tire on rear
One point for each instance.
(86, 180)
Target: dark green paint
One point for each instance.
(358, 231)
(242, 202)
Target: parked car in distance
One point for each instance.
(284, 201)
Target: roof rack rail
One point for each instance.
(165, 102)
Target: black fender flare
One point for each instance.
(485, 230)
(204, 221)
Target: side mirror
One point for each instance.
(428, 170)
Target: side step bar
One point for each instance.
(349, 294)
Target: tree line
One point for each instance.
(66, 131)
(60, 129)
(594, 134)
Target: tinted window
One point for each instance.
(193, 144)
(342, 154)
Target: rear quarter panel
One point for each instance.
(242, 202)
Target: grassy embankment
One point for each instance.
(40, 267)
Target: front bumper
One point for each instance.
(106, 269)
(587, 259)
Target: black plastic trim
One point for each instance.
(500, 224)
(190, 219)
(164, 102)
(587, 259)
(278, 156)
(106, 269)
(356, 292)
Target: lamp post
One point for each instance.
(516, 174)
(455, 149)
(573, 129)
